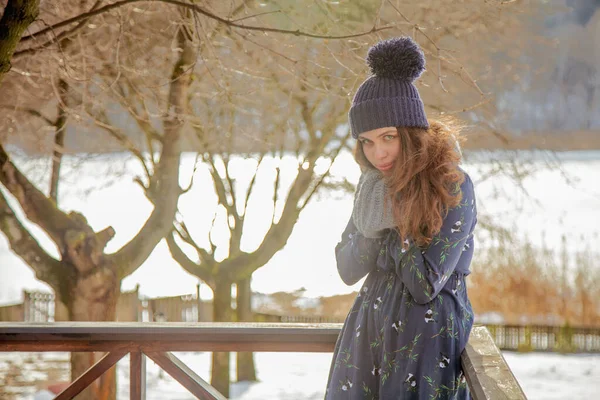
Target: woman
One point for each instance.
(411, 231)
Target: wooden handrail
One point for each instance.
(166, 336)
(486, 372)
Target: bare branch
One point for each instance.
(251, 185)
(276, 190)
(276, 237)
(247, 37)
(326, 173)
(58, 38)
(127, 102)
(236, 230)
(213, 246)
(37, 207)
(184, 234)
(231, 189)
(164, 189)
(201, 271)
(473, 107)
(255, 15)
(196, 162)
(30, 111)
(25, 246)
(59, 139)
(200, 10)
(101, 120)
(220, 187)
(105, 236)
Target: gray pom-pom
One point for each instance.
(396, 58)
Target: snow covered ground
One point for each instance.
(295, 376)
(549, 376)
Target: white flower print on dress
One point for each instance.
(347, 385)
(457, 227)
(411, 380)
(429, 316)
(377, 303)
(405, 246)
(444, 361)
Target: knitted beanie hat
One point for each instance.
(389, 97)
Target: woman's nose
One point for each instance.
(380, 152)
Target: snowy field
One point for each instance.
(295, 376)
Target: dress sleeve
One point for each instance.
(426, 271)
(356, 255)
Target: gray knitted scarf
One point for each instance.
(372, 212)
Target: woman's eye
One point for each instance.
(389, 137)
(366, 141)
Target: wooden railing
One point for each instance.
(486, 371)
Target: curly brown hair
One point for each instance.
(425, 181)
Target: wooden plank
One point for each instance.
(137, 376)
(103, 328)
(89, 376)
(101, 336)
(192, 345)
(486, 371)
(184, 375)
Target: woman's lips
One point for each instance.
(385, 167)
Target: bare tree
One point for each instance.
(85, 278)
(279, 115)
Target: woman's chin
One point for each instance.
(386, 171)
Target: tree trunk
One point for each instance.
(94, 298)
(17, 16)
(222, 312)
(245, 360)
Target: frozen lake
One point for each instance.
(549, 202)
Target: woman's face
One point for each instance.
(381, 147)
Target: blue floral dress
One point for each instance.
(411, 319)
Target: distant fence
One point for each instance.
(41, 307)
(185, 308)
(546, 338)
(508, 337)
(36, 307)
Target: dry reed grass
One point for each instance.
(536, 285)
